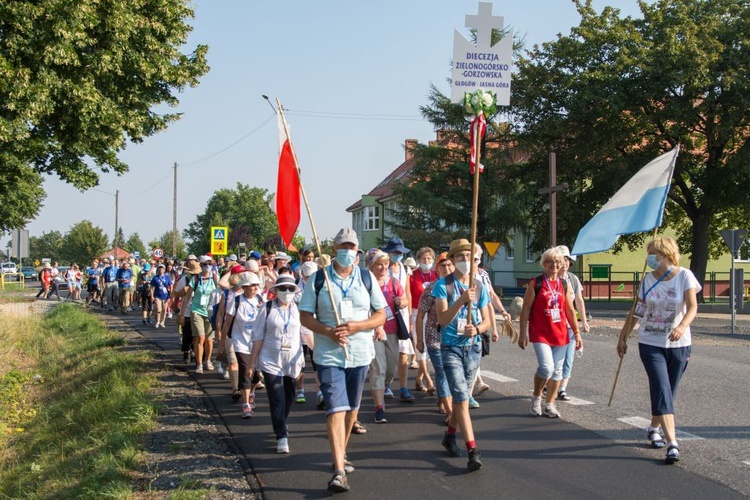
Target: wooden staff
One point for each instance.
(474, 212)
(309, 214)
(626, 329)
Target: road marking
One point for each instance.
(497, 376)
(746, 462)
(578, 402)
(643, 423)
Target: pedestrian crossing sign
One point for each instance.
(219, 240)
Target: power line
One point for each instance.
(231, 145)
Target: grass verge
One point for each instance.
(77, 402)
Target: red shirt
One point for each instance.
(542, 327)
(418, 282)
(391, 285)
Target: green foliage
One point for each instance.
(435, 204)
(80, 79)
(91, 405)
(617, 92)
(135, 244)
(244, 208)
(119, 240)
(48, 245)
(21, 195)
(83, 242)
(168, 241)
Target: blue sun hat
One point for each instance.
(394, 245)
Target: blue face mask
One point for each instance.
(652, 262)
(397, 257)
(346, 257)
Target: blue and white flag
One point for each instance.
(638, 206)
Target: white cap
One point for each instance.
(248, 279)
(308, 268)
(566, 252)
(204, 259)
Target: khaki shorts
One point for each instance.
(229, 351)
(201, 326)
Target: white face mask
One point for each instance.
(285, 297)
(463, 267)
(425, 267)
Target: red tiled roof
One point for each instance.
(117, 253)
(385, 188)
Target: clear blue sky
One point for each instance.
(325, 61)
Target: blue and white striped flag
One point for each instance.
(638, 206)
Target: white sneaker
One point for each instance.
(226, 375)
(219, 369)
(551, 411)
(209, 365)
(282, 445)
(536, 406)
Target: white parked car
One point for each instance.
(10, 270)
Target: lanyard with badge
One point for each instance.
(251, 316)
(426, 280)
(286, 339)
(388, 310)
(554, 313)
(346, 306)
(203, 288)
(462, 313)
(640, 308)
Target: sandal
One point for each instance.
(235, 395)
(673, 455)
(441, 408)
(419, 387)
(431, 391)
(358, 428)
(657, 441)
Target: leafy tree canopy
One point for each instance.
(79, 79)
(135, 244)
(82, 243)
(245, 208)
(617, 92)
(46, 246)
(169, 241)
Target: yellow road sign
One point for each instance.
(219, 240)
(491, 247)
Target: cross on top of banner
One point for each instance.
(484, 22)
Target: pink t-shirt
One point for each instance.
(391, 326)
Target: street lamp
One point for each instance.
(264, 96)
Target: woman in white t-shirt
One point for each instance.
(242, 311)
(277, 352)
(667, 304)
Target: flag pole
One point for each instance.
(628, 327)
(309, 212)
(474, 209)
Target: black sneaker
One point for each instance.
(449, 443)
(338, 483)
(563, 395)
(380, 416)
(475, 462)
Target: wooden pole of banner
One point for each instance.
(627, 328)
(474, 211)
(309, 212)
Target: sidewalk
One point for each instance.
(523, 456)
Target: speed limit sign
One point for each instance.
(158, 253)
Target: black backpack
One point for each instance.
(539, 282)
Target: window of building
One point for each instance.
(509, 252)
(372, 219)
(531, 256)
(357, 218)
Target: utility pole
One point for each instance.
(174, 214)
(117, 221)
(551, 191)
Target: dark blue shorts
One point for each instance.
(664, 367)
(342, 387)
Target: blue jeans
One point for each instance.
(281, 392)
(570, 355)
(664, 367)
(441, 382)
(460, 364)
(550, 359)
(341, 387)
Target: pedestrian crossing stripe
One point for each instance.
(497, 376)
(643, 423)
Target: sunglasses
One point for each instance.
(285, 288)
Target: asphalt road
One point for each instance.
(593, 451)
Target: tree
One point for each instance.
(46, 246)
(617, 92)
(167, 242)
(21, 196)
(119, 241)
(78, 80)
(83, 242)
(135, 244)
(435, 200)
(243, 207)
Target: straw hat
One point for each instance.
(460, 245)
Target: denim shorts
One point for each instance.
(342, 387)
(460, 364)
(550, 359)
(441, 383)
